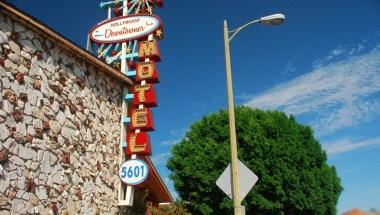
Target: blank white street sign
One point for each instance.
(246, 180)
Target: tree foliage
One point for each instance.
(294, 177)
(172, 209)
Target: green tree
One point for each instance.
(172, 209)
(294, 177)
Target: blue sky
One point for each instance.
(322, 65)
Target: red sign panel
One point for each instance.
(147, 71)
(138, 143)
(144, 94)
(149, 49)
(141, 119)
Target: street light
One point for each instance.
(275, 19)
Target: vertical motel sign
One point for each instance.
(127, 41)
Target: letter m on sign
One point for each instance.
(149, 49)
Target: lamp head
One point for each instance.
(275, 19)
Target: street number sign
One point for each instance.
(134, 172)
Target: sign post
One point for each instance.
(247, 179)
(127, 41)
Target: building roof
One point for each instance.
(354, 211)
(63, 42)
(155, 185)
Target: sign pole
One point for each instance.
(130, 191)
(127, 42)
(231, 110)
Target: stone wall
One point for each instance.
(59, 125)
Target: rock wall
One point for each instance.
(59, 128)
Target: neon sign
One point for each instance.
(125, 28)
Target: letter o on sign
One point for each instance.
(134, 172)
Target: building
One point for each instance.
(57, 108)
(354, 211)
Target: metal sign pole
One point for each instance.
(231, 110)
(130, 191)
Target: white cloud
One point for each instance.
(161, 158)
(177, 135)
(179, 132)
(336, 93)
(170, 142)
(347, 145)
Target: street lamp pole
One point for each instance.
(275, 19)
(234, 158)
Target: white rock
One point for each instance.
(30, 34)
(22, 35)
(41, 193)
(3, 113)
(28, 46)
(34, 96)
(4, 132)
(6, 83)
(28, 162)
(35, 70)
(20, 193)
(37, 44)
(46, 102)
(14, 58)
(38, 113)
(16, 160)
(4, 184)
(45, 165)
(3, 37)
(57, 178)
(68, 133)
(18, 27)
(14, 47)
(12, 175)
(15, 87)
(54, 159)
(28, 120)
(3, 73)
(49, 113)
(55, 126)
(27, 109)
(34, 166)
(9, 143)
(21, 128)
(7, 107)
(25, 152)
(26, 55)
(37, 123)
(61, 117)
(55, 106)
(10, 65)
(23, 69)
(18, 206)
(70, 124)
(61, 140)
(26, 196)
(10, 122)
(28, 80)
(30, 130)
